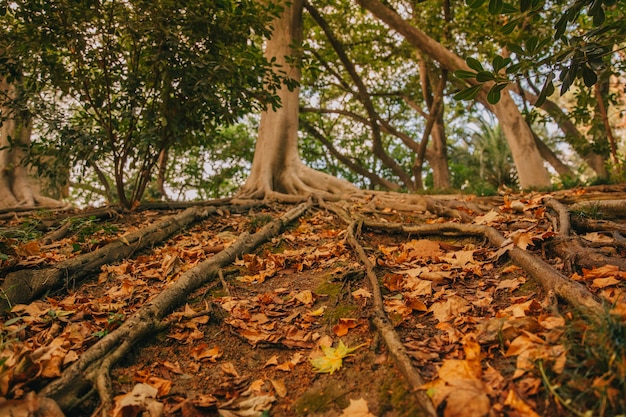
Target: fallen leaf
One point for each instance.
(279, 387)
(229, 369)
(343, 326)
(361, 293)
(305, 297)
(357, 408)
(453, 307)
(273, 361)
(202, 351)
(332, 359)
(516, 403)
(140, 401)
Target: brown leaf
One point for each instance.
(453, 307)
(279, 387)
(202, 351)
(343, 325)
(357, 408)
(229, 369)
(361, 293)
(516, 403)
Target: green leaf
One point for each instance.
(484, 76)
(524, 5)
(513, 47)
(475, 4)
(493, 96)
(568, 76)
(508, 8)
(510, 26)
(468, 93)
(589, 76)
(499, 63)
(531, 45)
(495, 6)
(474, 64)
(599, 17)
(462, 74)
(514, 68)
(546, 91)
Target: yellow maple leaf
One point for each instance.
(332, 360)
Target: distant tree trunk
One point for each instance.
(437, 154)
(277, 170)
(15, 186)
(530, 168)
(572, 135)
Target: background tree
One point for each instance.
(141, 78)
(277, 170)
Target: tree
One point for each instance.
(16, 187)
(140, 78)
(528, 160)
(277, 170)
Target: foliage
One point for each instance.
(600, 357)
(580, 45)
(130, 79)
(483, 162)
(212, 170)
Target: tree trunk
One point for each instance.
(572, 135)
(15, 186)
(277, 170)
(530, 168)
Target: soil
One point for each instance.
(252, 333)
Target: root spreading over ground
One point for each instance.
(376, 304)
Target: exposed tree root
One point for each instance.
(573, 252)
(295, 185)
(381, 323)
(24, 286)
(564, 225)
(385, 329)
(93, 367)
(609, 208)
(589, 225)
(572, 292)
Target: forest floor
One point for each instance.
(380, 305)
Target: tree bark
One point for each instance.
(572, 135)
(277, 170)
(15, 184)
(531, 171)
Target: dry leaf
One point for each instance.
(516, 403)
(357, 408)
(453, 307)
(332, 359)
(140, 401)
(279, 387)
(361, 293)
(343, 325)
(229, 369)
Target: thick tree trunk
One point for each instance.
(530, 168)
(572, 135)
(15, 130)
(277, 170)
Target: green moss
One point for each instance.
(328, 288)
(314, 402)
(340, 311)
(394, 396)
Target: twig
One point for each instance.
(220, 274)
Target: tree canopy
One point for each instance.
(127, 97)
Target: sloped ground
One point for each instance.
(391, 305)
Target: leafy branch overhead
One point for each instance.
(582, 54)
